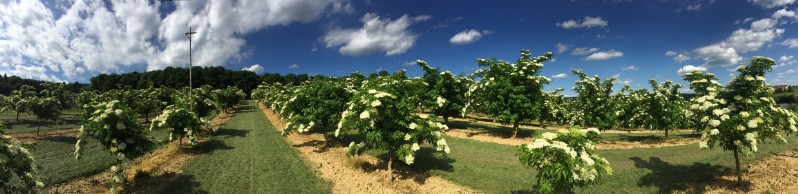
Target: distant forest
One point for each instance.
(11, 83)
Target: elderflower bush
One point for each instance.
(382, 111)
(565, 159)
(740, 115)
(509, 93)
(317, 106)
(594, 107)
(18, 170)
(450, 91)
(227, 98)
(114, 125)
(662, 108)
(554, 109)
(182, 122)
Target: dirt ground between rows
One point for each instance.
(479, 136)
(774, 174)
(150, 173)
(361, 174)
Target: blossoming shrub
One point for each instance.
(316, 106)
(382, 112)
(509, 93)
(182, 122)
(565, 159)
(740, 115)
(663, 108)
(114, 125)
(450, 95)
(18, 171)
(594, 107)
(227, 98)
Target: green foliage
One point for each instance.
(316, 106)
(182, 122)
(509, 93)
(18, 170)
(22, 99)
(450, 91)
(382, 110)
(554, 107)
(741, 114)
(663, 108)
(565, 159)
(227, 98)
(45, 108)
(594, 106)
(114, 125)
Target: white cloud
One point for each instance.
(772, 3)
(785, 58)
(409, 63)
(293, 66)
(690, 68)
(717, 54)
(783, 13)
(695, 7)
(790, 42)
(604, 55)
(584, 51)
(254, 68)
(90, 37)
(785, 61)
(561, 75)
(763, 24)
(468, 36)
(631, 67)
(679, 56)
(376, 35)
(561, 48)
(588, 22)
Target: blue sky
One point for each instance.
(633, 40)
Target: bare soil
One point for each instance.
(486, 137)
(774, 174)
(360, 174)
(31, 137)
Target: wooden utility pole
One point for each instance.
(190, 95)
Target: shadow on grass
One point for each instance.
(651, 138)
(165, 183)
(62, 139)
(208, 147)
(669, 178)
(231, 132)
(245, 108)
(497, 131)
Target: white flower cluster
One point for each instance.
(440, 101)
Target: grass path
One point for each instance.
(247, 155)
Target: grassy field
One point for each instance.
(494, 168)
(247, 155)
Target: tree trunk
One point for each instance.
(515, 127)
(390, 172)
(666, 133)
(147, 118)
(446, 120)
(737, 164)
(17, 115)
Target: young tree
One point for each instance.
(594, 106)
(565, 159)
(227, 98)
(22, 98)
(383, 112)
(45, 108)
(510, 93)
(741, 114)
(182, 122)
(18, 171)
(114, 125)
(316, 106)
(450, 95)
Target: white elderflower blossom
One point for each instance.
(744, 114)
(714, 122)
(415, 147)
(703, 145)
(593, 129)
(740, 128)
(376, 103)
(586, 158)
(752, 124)
(549, 136)
(365, 114)
(724, 117)
(412, 126)
(717, 112)
(714, 132)
(440, 101)
(408, 136)
(409, 159)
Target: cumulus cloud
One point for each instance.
(254, 68)
(293, 66)
(771, 3)
(690, 68)
(783, 13)
(106, 36)
(695, 7)
(679, 56)
(377, 35)
(604, 55)
(584, 51)
(631, 67)
(468, 36)
(727, 52)
(785, 61)
(588, 22)
(561, 48)
(561, 75)
(790, 42)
